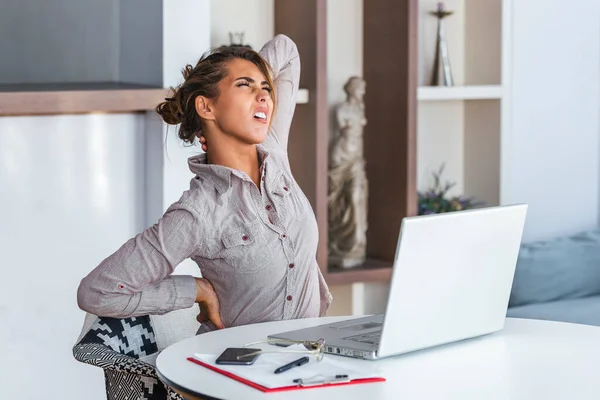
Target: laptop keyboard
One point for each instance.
(371, 338)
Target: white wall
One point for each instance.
(70, 196)
(186, 27)
(74, 189)
(254, 17)
(344, 47)
(550, 155)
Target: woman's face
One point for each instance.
(244, 106)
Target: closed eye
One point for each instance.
(246, 81)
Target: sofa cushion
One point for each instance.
(562, 268)
(579, 311)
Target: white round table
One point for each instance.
(529, 359)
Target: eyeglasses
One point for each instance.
(316, 347)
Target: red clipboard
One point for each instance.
(284, 388)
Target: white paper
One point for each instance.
(262, 371)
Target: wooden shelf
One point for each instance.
(370, 271)
(440, 93)
(78, 98)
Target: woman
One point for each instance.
(244, 220)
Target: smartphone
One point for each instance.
(231, 354)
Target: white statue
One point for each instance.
(348, 186)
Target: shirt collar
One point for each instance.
(220, 175)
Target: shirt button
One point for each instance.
(245, 237)
(292, 265)
(268, 207)
(263, 178)
(289, 298)
(285, 188)
(284, 236)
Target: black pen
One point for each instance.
(296, 363)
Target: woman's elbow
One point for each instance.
(288, 44)
(93, 301)
(87, 297)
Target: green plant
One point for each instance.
(436, 199)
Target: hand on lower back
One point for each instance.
(209, 303)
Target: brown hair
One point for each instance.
(203, 80)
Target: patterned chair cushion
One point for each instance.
(132, 337)
(119, 347)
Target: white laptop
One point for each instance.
(451, 281)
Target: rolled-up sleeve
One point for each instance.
(136, 279)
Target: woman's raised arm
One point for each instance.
(282, 55)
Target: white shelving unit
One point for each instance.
(460, 126)
(479, 92)
(302, 97)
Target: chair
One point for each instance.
(126, 350)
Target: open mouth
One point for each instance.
(261, 116)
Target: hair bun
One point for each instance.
(188, 70)
(170, 110)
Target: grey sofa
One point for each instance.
(559, 280)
